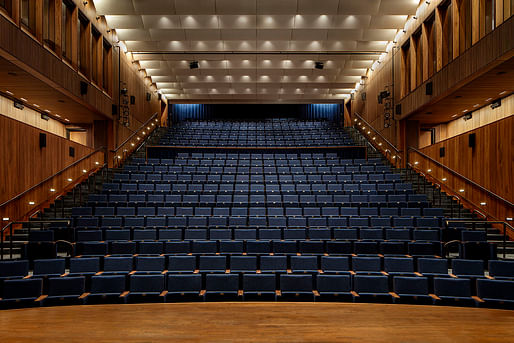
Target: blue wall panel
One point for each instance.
(179, 112)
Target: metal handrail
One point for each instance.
(10, 226)
(378, 133)
(486, 222)
(494, 195)
(52, 176)
(135, 132)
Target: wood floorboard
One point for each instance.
(256, 322)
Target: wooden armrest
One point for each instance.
(65, 274)
(453, 275)
(278, 293)
(433, 296)
(355, 294)
(124, 294)
(289, 271)
(227, 271)
(99, 273)
(320, 271)
(132, 272)
(43, 297)
(352, 272)
(27, 277)
(164, 272)
(84, 295)
(196, 271)
(489, 277)
(202, 292)
(316, 293)
(477, 299)
(384, 273)
(418, 274)
(240, 292)
(163, 293)
(394, 295)
(258, 271)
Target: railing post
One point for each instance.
(10, 241)
(504, 239)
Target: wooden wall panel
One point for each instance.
(26, 164)
(489, 164)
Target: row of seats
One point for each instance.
(407, 266)
(147, 234)
(173, 287)
(262, 247)
(256, 166)
(308, 211)
(185, 220)
(182, 156)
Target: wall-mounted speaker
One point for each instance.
(72, 151)
(429, 88)
(442, 151)
(380, 99)
(42, 140)
(114, 110)
(148, 96)
(83, 88)
(132, 100)
(472, 140)
(398, 109)
(363, 96)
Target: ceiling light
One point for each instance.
(461, 190)
(66, 119)
(5, 219)
(58, 116)
(132, 144)
(416, 163)
(36, 105)
(503, 92)
(23, 99)
(429, 170)
(319, 65)
(453, 116)
(84, 171)
(193, 65)
(97, 163)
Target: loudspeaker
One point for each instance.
(148, 96)
(398, 109)
(72, 151)
(380, 99)
(132, 100)
(442, 151)
(363, 96)
(83, 88)
(429, 88)
(472, 140)
(42, 140)
(114, 110)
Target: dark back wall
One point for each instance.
(179, 112)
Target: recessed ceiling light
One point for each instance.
(453, 116)
(416, 163)
(476, 105)
(69, 179)
(58, 116)
(52, 189)
(444, 179)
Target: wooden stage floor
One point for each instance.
(256, 322)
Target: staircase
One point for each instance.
(453, 209)
(60, 209)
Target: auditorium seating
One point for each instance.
(263, 225)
